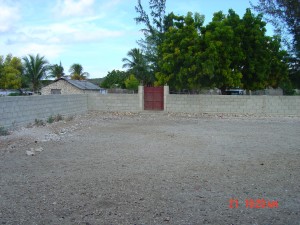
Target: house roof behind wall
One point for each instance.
(81, 84)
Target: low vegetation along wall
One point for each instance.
(243, 104)
(18, 111)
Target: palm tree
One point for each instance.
(77, 73)
(137, 64)
(35, 68)
(56, 71)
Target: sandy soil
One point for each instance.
(152, 168)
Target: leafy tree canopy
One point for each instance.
(222, 51)
(137, 65)
(180, 53)
(35, 68)
(10, 72)
(153, 31)
(77, 72)
(56, 71)
(115, 78)
(228, 52)
(132, 83)
(285, 17)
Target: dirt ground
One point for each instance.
(152, 168)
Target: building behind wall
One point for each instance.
(269, 91)
(66, 86)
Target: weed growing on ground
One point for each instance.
(58, 117)
(3, 131)
(39, 122)
(50, 119)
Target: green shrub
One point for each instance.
(14, 94)
(50, 119)
(3, 131)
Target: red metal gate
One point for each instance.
(154, 98)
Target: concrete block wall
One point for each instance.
(19, 111)
(282, 105)
(114, 102)
(245, 104)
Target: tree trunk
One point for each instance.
(223, 90)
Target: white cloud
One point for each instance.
(78, 31)
(110, 4)
(50, 51)
(8, 16)
(68, 8)
(68, 32)
(94, 35)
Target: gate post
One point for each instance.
(166, 93)
(141, 98)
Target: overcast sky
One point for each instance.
(95, 33)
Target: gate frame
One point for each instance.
(141, 97)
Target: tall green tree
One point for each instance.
(137, 64)
(132, 83)
(115, 78)
(180, 53)
(278, 61)
(228, 52)
(285, 17)
(35, 68)
(11, 78)
(77, 72)
(1, 65)
(154, 29)
(264, 63)
(56, 71)
(255, 66)
(10, 72)
(221, 53)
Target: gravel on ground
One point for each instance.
(152, 168)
